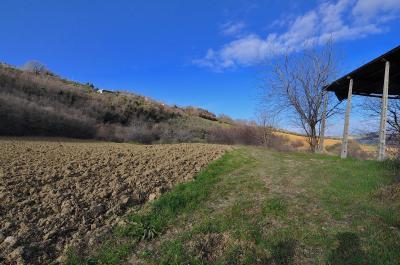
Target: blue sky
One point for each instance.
(201, 53)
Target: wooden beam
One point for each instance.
(375, 96)
(382, 128)
(323, 124)
(345, 139)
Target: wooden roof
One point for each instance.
(368, 79)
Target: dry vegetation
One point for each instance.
(56, 194)
(40, 103)
(332, 146)
(243, 134)
(354, 150)
(301, 141)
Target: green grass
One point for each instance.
(153, 220)
(276, 206)
(256, 206)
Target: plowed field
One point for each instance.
(57, 194)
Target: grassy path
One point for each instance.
(257, 206)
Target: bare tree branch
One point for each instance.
(297, 84)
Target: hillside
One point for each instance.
(40, 103)
(44, 104)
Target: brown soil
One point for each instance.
(58, 194)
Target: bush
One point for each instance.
(247, 135)
(36, 103)
(226, 119)
(205, 114)
(19, 117)
(297, 144)
(280, 143)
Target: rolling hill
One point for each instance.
(44, 104)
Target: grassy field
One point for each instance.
(256, 206)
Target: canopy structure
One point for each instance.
(377, 78)
(368, 79)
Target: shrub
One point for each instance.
(226, 119)
(201, 113)
(33, 103)
(20, 117)
(280, 143)
(247, 135)
(297, 144)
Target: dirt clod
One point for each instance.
(10, 241)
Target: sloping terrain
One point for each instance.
(265, 207)
(43, 104)
(59, 194)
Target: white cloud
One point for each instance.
(369, 9)
(280, 23)
(332, 13)
(341, 19)
(232, 28)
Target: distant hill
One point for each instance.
(369, 138)
(34, 103)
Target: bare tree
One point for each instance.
(296, 86)
(372, 108)
(266, 125)
(35, 67)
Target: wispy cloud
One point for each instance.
(370, 9)
(232, 28)
(341, 19)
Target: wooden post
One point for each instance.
(345, 139)
(382, 128)
(323, 124)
